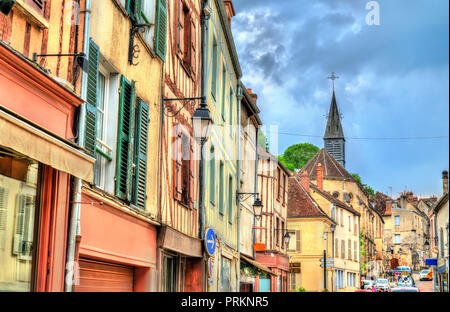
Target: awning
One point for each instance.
(38, 145)
(171, 239)
(258, 265)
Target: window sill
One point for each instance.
(31, 14)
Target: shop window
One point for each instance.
(18, 191)
(225, 274)
(169, 273)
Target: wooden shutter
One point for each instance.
(191, 175)
(92, 99)
(230, 199)
(3, 216)
(124, 142)
(161, 28)
(193, 43)
(297, 241)
(134, 9)
(19, 225)
(141, 155)
(178, 163)
(38, 5)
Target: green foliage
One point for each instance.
(362, 250)
(325, 290)
(300, 289)
(262, 140)
(296, 156)
(366, 188)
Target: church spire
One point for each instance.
(334, 134)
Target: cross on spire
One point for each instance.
(333, 77)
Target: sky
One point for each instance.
(393, 81)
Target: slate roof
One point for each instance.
(334, 127)
(300, 203)
(331, 167)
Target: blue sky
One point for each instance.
(393, 81)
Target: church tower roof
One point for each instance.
(334, 127)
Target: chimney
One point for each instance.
(445, 181)
(304, 180)
(388, 210)
(254, 96)
(320, 176)
(230, 10)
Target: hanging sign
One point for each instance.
(210, 241)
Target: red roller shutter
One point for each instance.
(98, 276)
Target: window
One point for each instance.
(101, 128)
(336, 194)
(283, 187)
(230, 200)
(282, 234)
(224, 83)
(221, 190)
(336, 248)
(351, 278)
(212, 177)
(277, 232)
(343, 249)
(294, 237)
(214, 69)
(349, 249)
(169, 273)
(397, 239)
(131, 169)
(333, 212)
(19, 186)
(397, 220)
(225, 275)
(342, 217)
(278, 183)
(421, 224)
(161, 28)
(355, 250)
(38, 5)
(185, 33)
(339, 279)
(231, 107)
(355, 225)
(184, 168)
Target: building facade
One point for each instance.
(271, 228)
(120, 128)
(38, 156)
(222, 74)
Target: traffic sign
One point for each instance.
(328, 260)
(210, 241)
(329, 265)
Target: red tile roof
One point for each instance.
(336, 201)
(331, 168)
(300, 203)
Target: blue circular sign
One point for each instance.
(210, 241)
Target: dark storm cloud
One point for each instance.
(393, 78)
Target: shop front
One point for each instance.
(279, 265)
(117, 249)
(37, 160)
(181, 262)
(253, 274)
(442, 274)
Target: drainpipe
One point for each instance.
(256, 188)
(75, 229)
(239, 160)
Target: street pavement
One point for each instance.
(424, 286)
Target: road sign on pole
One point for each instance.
(328, 260)
(329, 265)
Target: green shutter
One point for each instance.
(212, 177)
(134, 9)
(230, 200)
(125, 140)
(161, 28)
(91, 99)
(221, 186)
(140, 177)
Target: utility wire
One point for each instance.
(374, 138)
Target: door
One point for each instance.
(264, 285)
(96, 276)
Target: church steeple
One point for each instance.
(334, 134)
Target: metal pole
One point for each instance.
(325, 269)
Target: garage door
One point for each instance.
(98, 276)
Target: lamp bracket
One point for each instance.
(133, 50)
(245, 196)
(187, 101)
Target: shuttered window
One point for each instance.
(336, 248)
(343, 249)
(230, 200)
(92, 99)
(221, 188)
(212, 177)
(140, 155)
(298, 246)
(214, 69)
(3, 217)
(355, 250)
(38, 5)
(184, 168)
(125, 140)
(349, 249)
(161, 28)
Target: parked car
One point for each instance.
(405, 289)
(406, 281)
(368, 284)
(401, 270)
(382, 284)
(425, 275)
(363, 290)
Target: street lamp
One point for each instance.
(287, 238)
(202, 122)
(257, 208)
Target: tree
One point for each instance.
(296, 156)
(366, 188)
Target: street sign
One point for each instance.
(210, 241)
(328, 260)
(329, 265)
(430, 261)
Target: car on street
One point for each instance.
(367, 284)
(405, 289)
(363, 290)
(382, 284)
(425, 275)
(401, 270)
